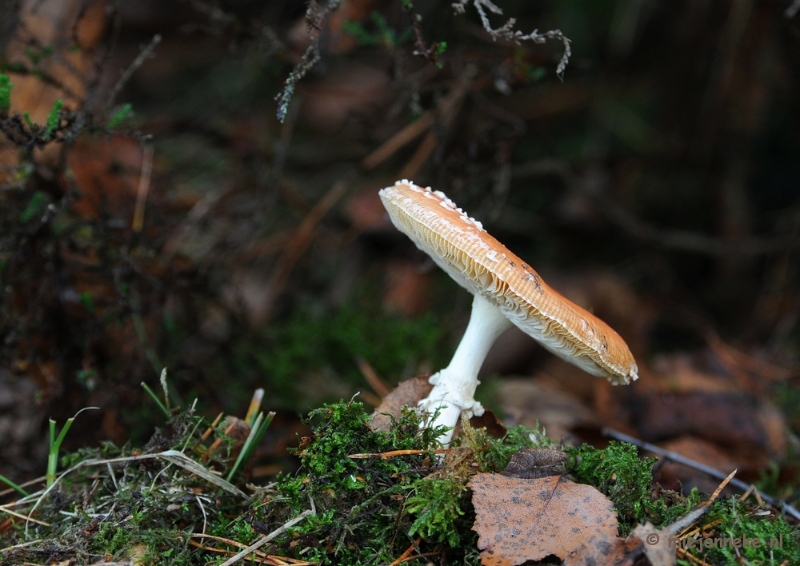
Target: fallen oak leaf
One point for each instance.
(527, 519)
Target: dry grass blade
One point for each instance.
(182, 460)
(261, 542)
(257, 556)
(5, 509)
(21, 545)
(172, 456)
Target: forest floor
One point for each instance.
(192, 186)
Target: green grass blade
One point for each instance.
(155, 398)
(253, 439)
(13, 486)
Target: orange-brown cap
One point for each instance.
(485, 267)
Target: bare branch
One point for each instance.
(507, 31)
(143, 55)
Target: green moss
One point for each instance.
(369, 510)
(435, 503)
(374, 495)
(665, 507)
(626, 479)
(356, 499)
(621, 475)
(742, 533)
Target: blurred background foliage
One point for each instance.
(656, 182)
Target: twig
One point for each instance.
(402, 558)
(373, 379)
(261, 542)
(5, 509)
(145, 53)
(310, 58)
(446, 114)
(700, 510)
(714, 473)
(398, 140)
(393, 453)
(299, 243)
(144, 188)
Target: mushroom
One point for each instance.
(507, 292)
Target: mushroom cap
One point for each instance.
(482, 265)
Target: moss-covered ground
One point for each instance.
(365, 497)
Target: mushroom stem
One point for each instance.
(454, 386)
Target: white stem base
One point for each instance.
(454, 386)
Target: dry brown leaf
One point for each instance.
(544, 401)
(407, 393)
(488, 421)
(528, 519)
(602, 550)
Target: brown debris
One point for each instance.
(533, 463)
(529, 401)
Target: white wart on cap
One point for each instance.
(507, 291)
